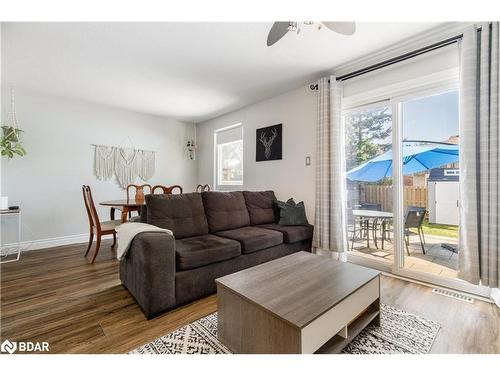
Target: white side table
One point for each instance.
(5, 213)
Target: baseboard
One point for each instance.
(45, 243)
(476, 296)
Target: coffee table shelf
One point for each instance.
(354, 328)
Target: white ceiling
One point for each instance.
(188, 71)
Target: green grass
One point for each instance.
(440, 230)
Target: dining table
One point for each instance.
(124, 205)
(374, 216)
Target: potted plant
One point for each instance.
(10, 142)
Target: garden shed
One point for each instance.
(443, 190)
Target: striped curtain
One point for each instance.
(479, 257)
(330, 234)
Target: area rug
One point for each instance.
(399, 333)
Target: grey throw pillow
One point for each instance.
(292, 213)
(277, 208)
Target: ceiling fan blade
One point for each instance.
(278, 30)
(346, 28)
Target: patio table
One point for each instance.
(374, 216)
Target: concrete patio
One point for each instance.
(437, 260)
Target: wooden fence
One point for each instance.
(413, 196)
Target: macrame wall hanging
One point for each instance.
(127, 164)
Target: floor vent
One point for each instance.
(456, 295)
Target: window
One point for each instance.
(229, 157)
(452, 172)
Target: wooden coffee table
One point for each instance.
(301, 303)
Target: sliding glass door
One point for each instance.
(431, 173)
(368, 140)
(402, 177)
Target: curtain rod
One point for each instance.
(397, 59)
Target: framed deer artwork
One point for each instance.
(269, 143)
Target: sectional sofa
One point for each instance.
(214, 234)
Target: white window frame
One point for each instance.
(394, 96)
(215, 179)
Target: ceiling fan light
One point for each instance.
(292, 26)
(280, 28)
(341, 27)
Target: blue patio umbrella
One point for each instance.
(416, 158)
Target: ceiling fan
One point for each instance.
(279, 29)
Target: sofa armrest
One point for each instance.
(148, 272)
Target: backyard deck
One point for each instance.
(437, 259)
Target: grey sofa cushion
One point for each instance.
(200, 251)
(183, 214)
(252, 238)
(292, 233)
(225, 210)
(199, 282)
(260, 205)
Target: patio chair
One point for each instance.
(414, 219)
(377, 225)
(355, 226)
(385, 230)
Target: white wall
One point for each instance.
(289, 177)
(58, 133)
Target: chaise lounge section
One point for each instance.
(214, 234)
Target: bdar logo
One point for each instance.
(9, 347)
(23, 346)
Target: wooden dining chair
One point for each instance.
(96, 227)
(201, 188)
(167, 189)
(140, 191)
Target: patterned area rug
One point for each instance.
(400, 333)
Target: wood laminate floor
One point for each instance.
(54, 295)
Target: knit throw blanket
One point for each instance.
(126, 233)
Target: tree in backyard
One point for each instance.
(368, 134)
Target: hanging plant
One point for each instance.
(191, 148)
(10, 143)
